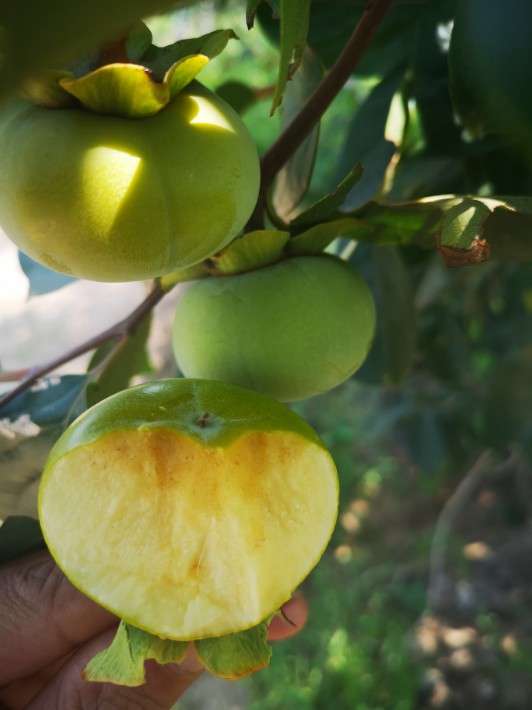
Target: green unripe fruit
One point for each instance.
(119, 199)
(291, 330)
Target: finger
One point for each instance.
(164, 684)
(42, 616)
(295, 617)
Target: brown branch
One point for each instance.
(318, 102)
(119, 331)
(470, 483)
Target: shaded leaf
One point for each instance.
(508, 401)
(238, 95)
(19, 535)
(130, 359)
(410, 223)
(318, 238)
(41, 279)
(253, 5)
(235, 655)
(53, 399)
(294, 177)
(392, 353)
(160, 59)
(327, 206)
(294, 29)
(365, 141)
(138, 42)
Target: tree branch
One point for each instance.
(319, 101)
(478, 474)
(119, 331)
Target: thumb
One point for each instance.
(164, 683)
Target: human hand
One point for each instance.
(49, 631)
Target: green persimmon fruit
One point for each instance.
(290, 330)
(189, 508)
(490, 64)
(119, 199)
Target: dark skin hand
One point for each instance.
(49, 631)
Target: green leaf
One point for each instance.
(130, 359)
(328, 205)
(19, 535)
(462, 223)
(508, 401)
(318, 238)
(466, 229)
(53, 399)
(410, 223)
(251, 251)
(160, 59)
(366, 143)
(253, 6)
(239, 96)
(294, 177)
(138, 42)
(235, 655)
(393, 349)
(508, 231)
(29, 426)
(294, 29)
(123, 661)
(42, 280)
(48, 34)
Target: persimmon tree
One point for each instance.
(403, 149)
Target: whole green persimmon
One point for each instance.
(110, 198)
(291, 330)
(189, 508)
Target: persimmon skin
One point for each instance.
(291, 330)
(108, 198)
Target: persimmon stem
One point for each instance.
(318, 102)
(119, 332)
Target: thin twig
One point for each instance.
(119, 331)
(476, 475)
(319, 101)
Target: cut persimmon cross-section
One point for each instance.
(189, 508)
